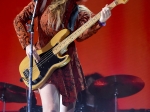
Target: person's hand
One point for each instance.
(35, 55)
(105, 14)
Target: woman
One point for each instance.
(60, 92)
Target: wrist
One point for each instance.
(102, 23)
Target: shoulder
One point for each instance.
(84, 10)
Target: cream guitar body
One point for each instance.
(48, 63)
(51, 54)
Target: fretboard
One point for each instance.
(79, 31)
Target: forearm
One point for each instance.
(89, 32)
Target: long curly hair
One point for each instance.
(57, 10)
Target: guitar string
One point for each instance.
(40, 59)
(59, 45)
(46, 57)
(75, 33)
(43, 61)
(35, 64)
(92, 20)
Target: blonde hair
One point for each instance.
(57, 9)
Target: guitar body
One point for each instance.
(50, 55)
(48, 63)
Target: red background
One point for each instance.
(122, 47)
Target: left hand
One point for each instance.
(105, 14)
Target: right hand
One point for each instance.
(35, 55)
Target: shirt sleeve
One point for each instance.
(20, 23)
(82, 19)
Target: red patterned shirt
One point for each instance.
(69, 79)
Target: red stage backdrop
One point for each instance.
(121, 47)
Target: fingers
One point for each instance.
(108, 12)
(35, 55)
(105, 14)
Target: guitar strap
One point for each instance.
(73, 18)
(43, 5)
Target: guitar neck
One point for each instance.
(80, 30)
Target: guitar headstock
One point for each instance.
(121, 1)
(117, 2)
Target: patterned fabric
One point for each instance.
(69, 79)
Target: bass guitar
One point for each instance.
(51, 58)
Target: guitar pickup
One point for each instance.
(26, 73)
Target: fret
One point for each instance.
(80, 30)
